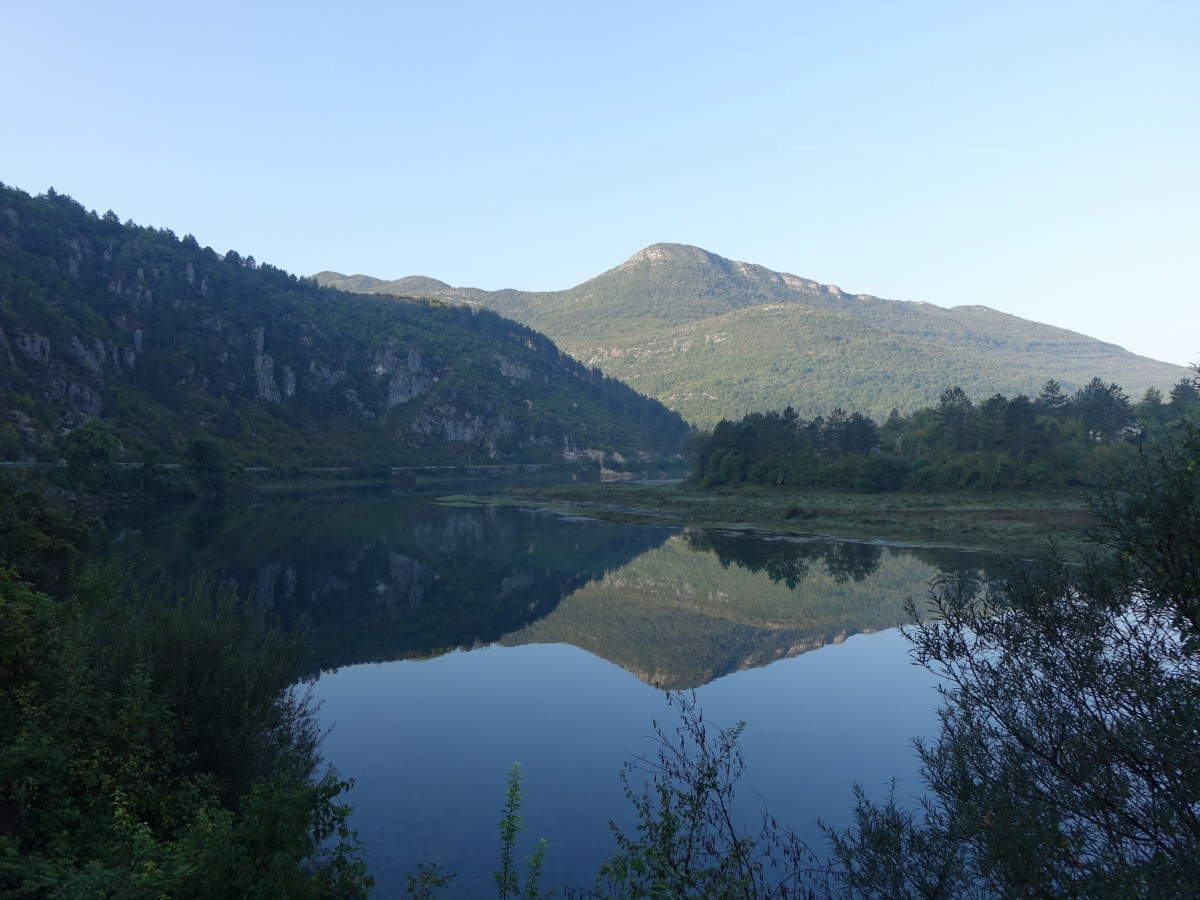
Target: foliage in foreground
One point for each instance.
(154, 747)
(1068, 763)
(690, 841)
(507, 877)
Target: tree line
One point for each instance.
(1053, 439)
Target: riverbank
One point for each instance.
(1011, 522)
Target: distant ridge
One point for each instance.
(716, 338)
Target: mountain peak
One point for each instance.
(671, 253)
(716, 338)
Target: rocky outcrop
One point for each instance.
(92, 360)
(510, 369)
(265, 388)
(409, 379)
(448, 423)
(6, 350)
(326, 376)
(35, 347)
(81, 400)
(406, 385)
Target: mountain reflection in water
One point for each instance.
(373, 576)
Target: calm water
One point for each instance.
(450, 641)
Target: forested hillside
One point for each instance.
(164, 340)
(715, 339)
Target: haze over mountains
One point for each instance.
(715, 338)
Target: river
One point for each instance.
(449, 641)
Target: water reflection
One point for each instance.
(698, 606)
(788, 562)
(377, 576)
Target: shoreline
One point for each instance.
(1024, 523)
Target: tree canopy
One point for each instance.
(998, 443)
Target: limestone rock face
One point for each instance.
(264, 378)
(448, 423)
(406, 385)
(409, 380)
(510, 369)
(81, 400)
(35, 347)
(7, 350)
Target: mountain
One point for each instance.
(714, 338)
(165, 340)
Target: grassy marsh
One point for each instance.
(1014, 522)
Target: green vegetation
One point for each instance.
(717, 339)
(1067, 761)
(999, 444)
(1011, 521)
(164, 343)
(153, 745)
(507, 878)
(90, 452)
(688, 841)
(45, 545)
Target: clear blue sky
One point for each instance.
(1040, 158)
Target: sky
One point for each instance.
(1040, 158)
